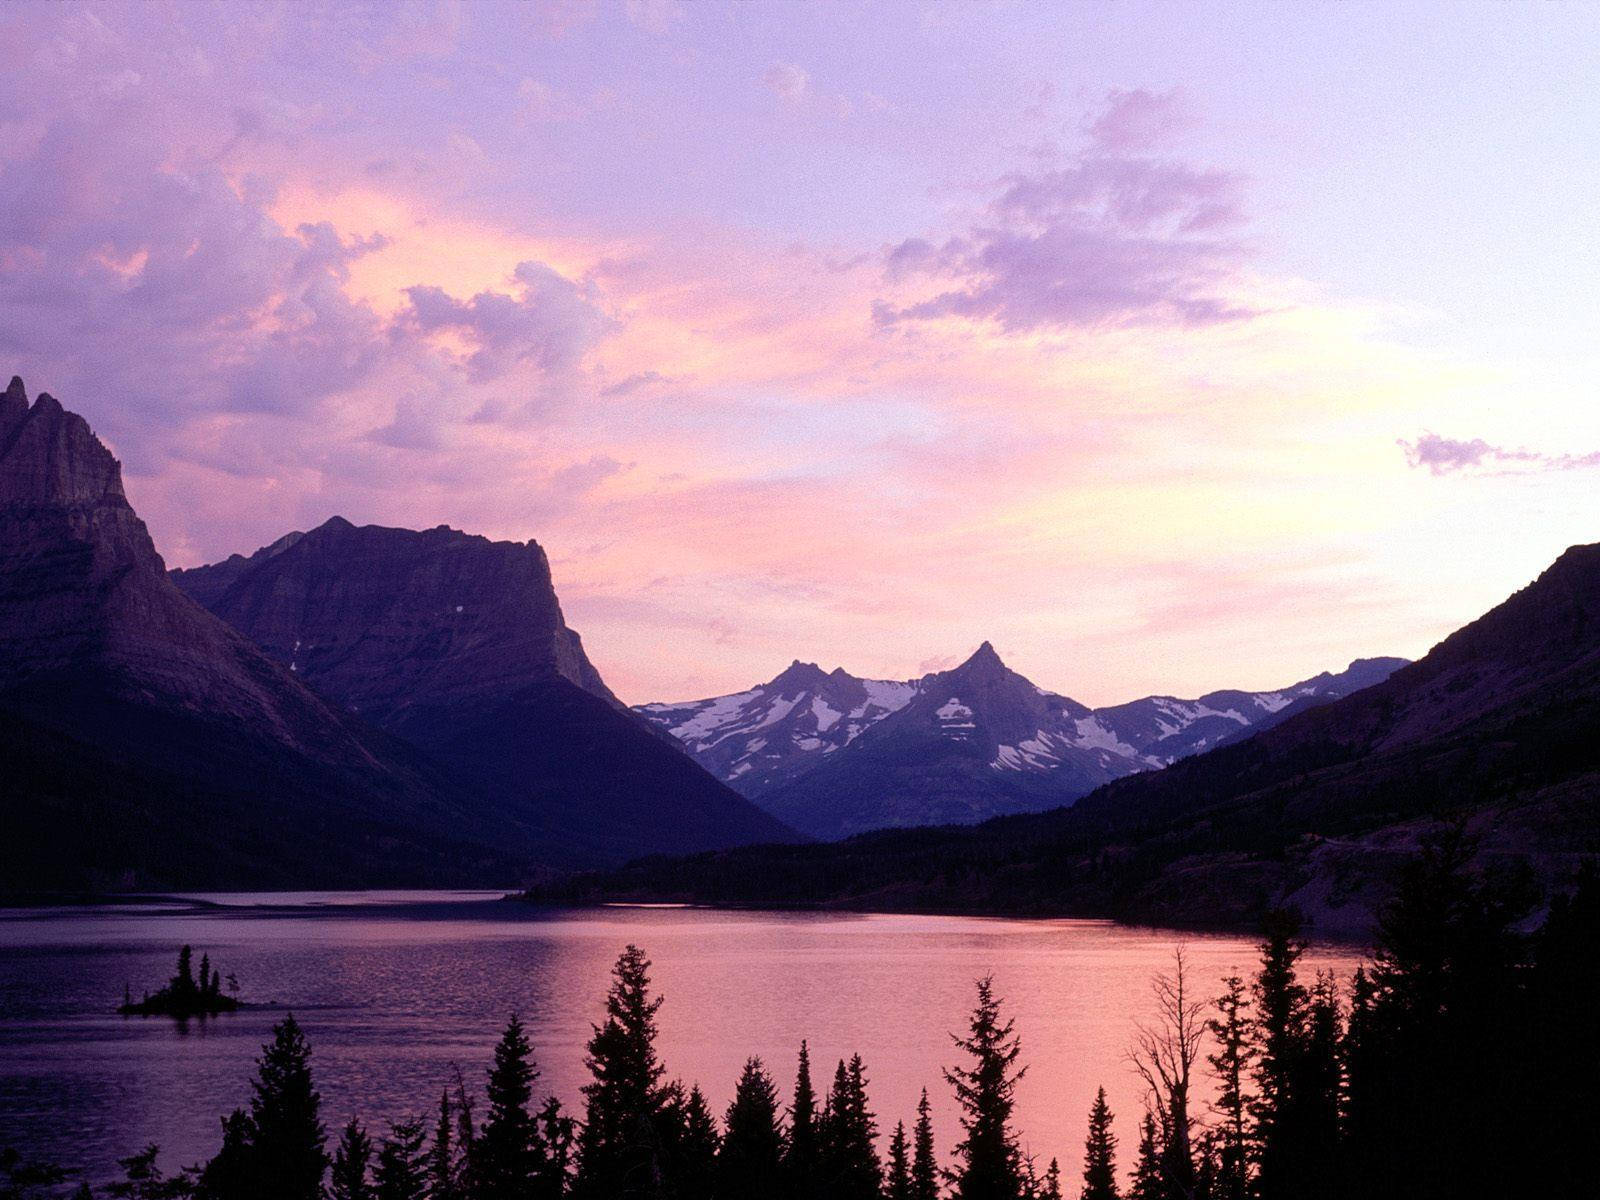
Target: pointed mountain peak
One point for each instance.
(334, 524)
(983, 658)
(799, 675)
(14, 402)
(48, 405)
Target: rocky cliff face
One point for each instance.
(458, 645)
(148, 743)
(393, 622)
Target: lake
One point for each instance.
(397, 989)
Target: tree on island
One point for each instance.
(184, 995)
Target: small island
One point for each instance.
(184, 996)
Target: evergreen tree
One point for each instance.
(751, 1157)
(1282, 1006)
(1100, 1153)
(692, 1172)
(990, 1165)
(851, 1169)
(443, 1169)
(801, 1155)
(183, 985)
(141, 1180)
(559, 1135)
(924, 1164)
(1147, 1183)
(509, 1155)
(348, 1180)
(897, 1179)
(1234, 1033)
(288, 1138)
(231, 1173)
(1438, 1105)
(1050, 1185)
(402, 1170)
(1320, 1087)
(619, 1150)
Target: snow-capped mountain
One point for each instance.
(762, 738)
(833, 755)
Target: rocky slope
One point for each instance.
(458, 645)
(834, 755)
(146, 743)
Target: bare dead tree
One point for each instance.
(1164, 1054)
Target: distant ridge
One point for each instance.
(833, 755)
(1496, 729)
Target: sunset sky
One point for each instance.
(1169, 347)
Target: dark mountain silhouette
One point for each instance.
(1497, 728)
(146, 743)
(833, 754)
(458, 645)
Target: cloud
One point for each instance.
(786, 80)
(632, 383)
(1115, 239)
(1445, 456)
(1137, 121)
(551, 322)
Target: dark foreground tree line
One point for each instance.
(1460, 1063)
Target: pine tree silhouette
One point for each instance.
(800, 1162)
(897, 1176)
(924, 1164)
(1147, 1183)
(750, 1160)
(619, 1148)
(402, 1170)
(509, 1154)
(851, 1169)
(288, 1139)
(989, 1163)
(1282, 1005)
(1100, 1153)
(349, 1180)
(1234, 1032)
(443, 1169)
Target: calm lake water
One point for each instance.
(395, 990)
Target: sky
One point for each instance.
(1168, 347)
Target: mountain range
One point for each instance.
(381, 706)
(833, 755)
(1496, 731)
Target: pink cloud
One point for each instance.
(1114, 239)
(1445, 456)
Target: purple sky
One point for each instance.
(1170, 347)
